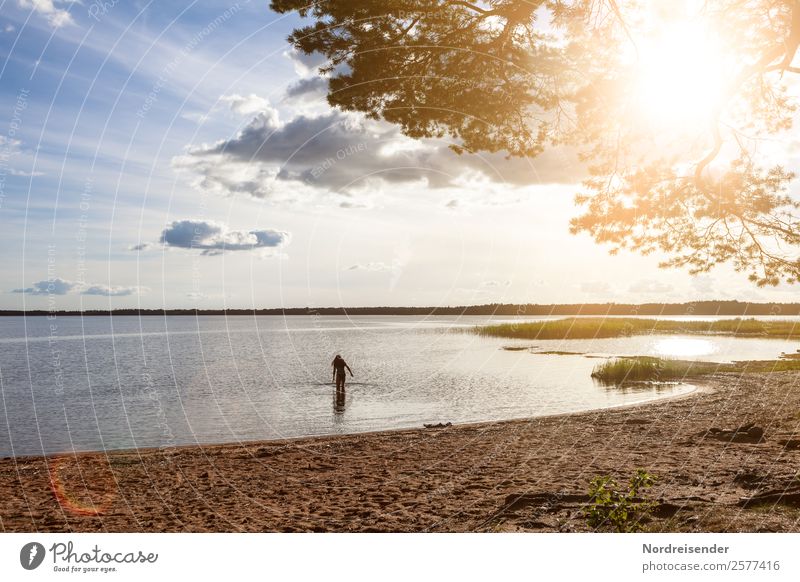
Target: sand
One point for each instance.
(525, 475)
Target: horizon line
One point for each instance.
(702, 307)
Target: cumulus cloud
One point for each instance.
(57, 17)
(213, 238)
(113, 291)
(309, 89)
(305, 65)
(55, 286)
(249, 105)
(346, 152)
(58, 286)
(229, 177)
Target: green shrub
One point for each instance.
(619, 510)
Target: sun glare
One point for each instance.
(680, 75)
(680, 347)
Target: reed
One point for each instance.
(607, 327)
(649, 369)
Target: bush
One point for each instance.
(619, 510)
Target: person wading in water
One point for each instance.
(339, 366)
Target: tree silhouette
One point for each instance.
(677, 138)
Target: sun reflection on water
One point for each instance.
(684, 347)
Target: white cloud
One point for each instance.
(58, 286)
(401, 256)
(57, 17)
(394, 269)
(309, 89)
(375, 266)
(214, 238)
(113, 291)
(249, 105)
(305, 65)
(194, 116)
(10, 145)
(11, 148)
(228, 177)
(24, 174)
(55, 286)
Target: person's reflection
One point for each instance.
(339, 402)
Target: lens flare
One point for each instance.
(93, 496)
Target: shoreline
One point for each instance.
(704, 307)
(695, 388)
(514, 475)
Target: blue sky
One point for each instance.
(178, 154)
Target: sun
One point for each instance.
(679, 75)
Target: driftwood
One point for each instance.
(438, 425)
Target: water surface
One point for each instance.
(101, 383)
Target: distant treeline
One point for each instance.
(504, 309)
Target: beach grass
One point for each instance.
(649, 369)
(609, 327)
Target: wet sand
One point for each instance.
(525, 475)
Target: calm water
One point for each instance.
(96, 384)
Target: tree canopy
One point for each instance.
(680, 110)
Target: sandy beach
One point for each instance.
(522, 475)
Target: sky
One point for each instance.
(181, 155)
